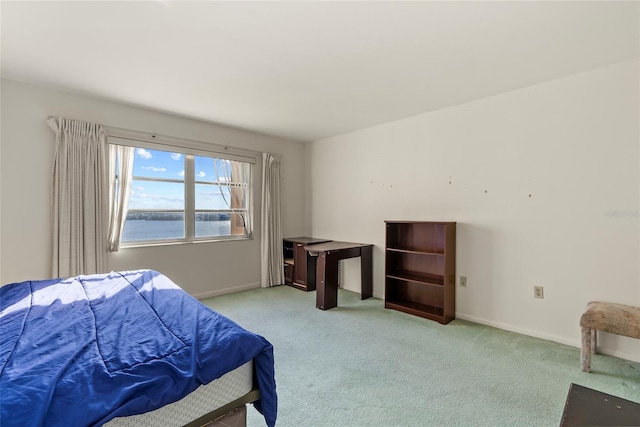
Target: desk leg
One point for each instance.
(326, 282)
(311, 271)
(366, 272)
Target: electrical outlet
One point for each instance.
(538, 292)
(463, 281)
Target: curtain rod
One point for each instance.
(151, 136)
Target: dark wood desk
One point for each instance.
(328, 254)
(300, 270)
(587, 407)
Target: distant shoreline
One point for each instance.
(162, 229)
(177, 216)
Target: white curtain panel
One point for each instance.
(240, 203)
(120, 178)
(271, 231)
(79, 198)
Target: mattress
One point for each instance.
(200, 402)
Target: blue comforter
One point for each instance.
(81, 351)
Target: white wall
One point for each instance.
(27, 158)
(544, 185)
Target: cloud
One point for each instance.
(181, 173)
(154, 169)
(201, 174)
(176, 156)
(215, 193)
(154, 201)
(160, 197)
(141, 152)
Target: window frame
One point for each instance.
(189, 149)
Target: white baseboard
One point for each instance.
(548, 337)
(619, 354)
(218, 292)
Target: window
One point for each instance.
(178, 196)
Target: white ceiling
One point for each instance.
(308, 70)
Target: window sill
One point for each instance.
(148, 244)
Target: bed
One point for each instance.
(89, 350)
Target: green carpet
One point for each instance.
(362, 365)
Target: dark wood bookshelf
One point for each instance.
(420, 268)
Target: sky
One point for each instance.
(158, 164)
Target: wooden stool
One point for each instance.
(608, 317)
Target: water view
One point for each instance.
(171, 226)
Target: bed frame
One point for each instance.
(227, 412)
